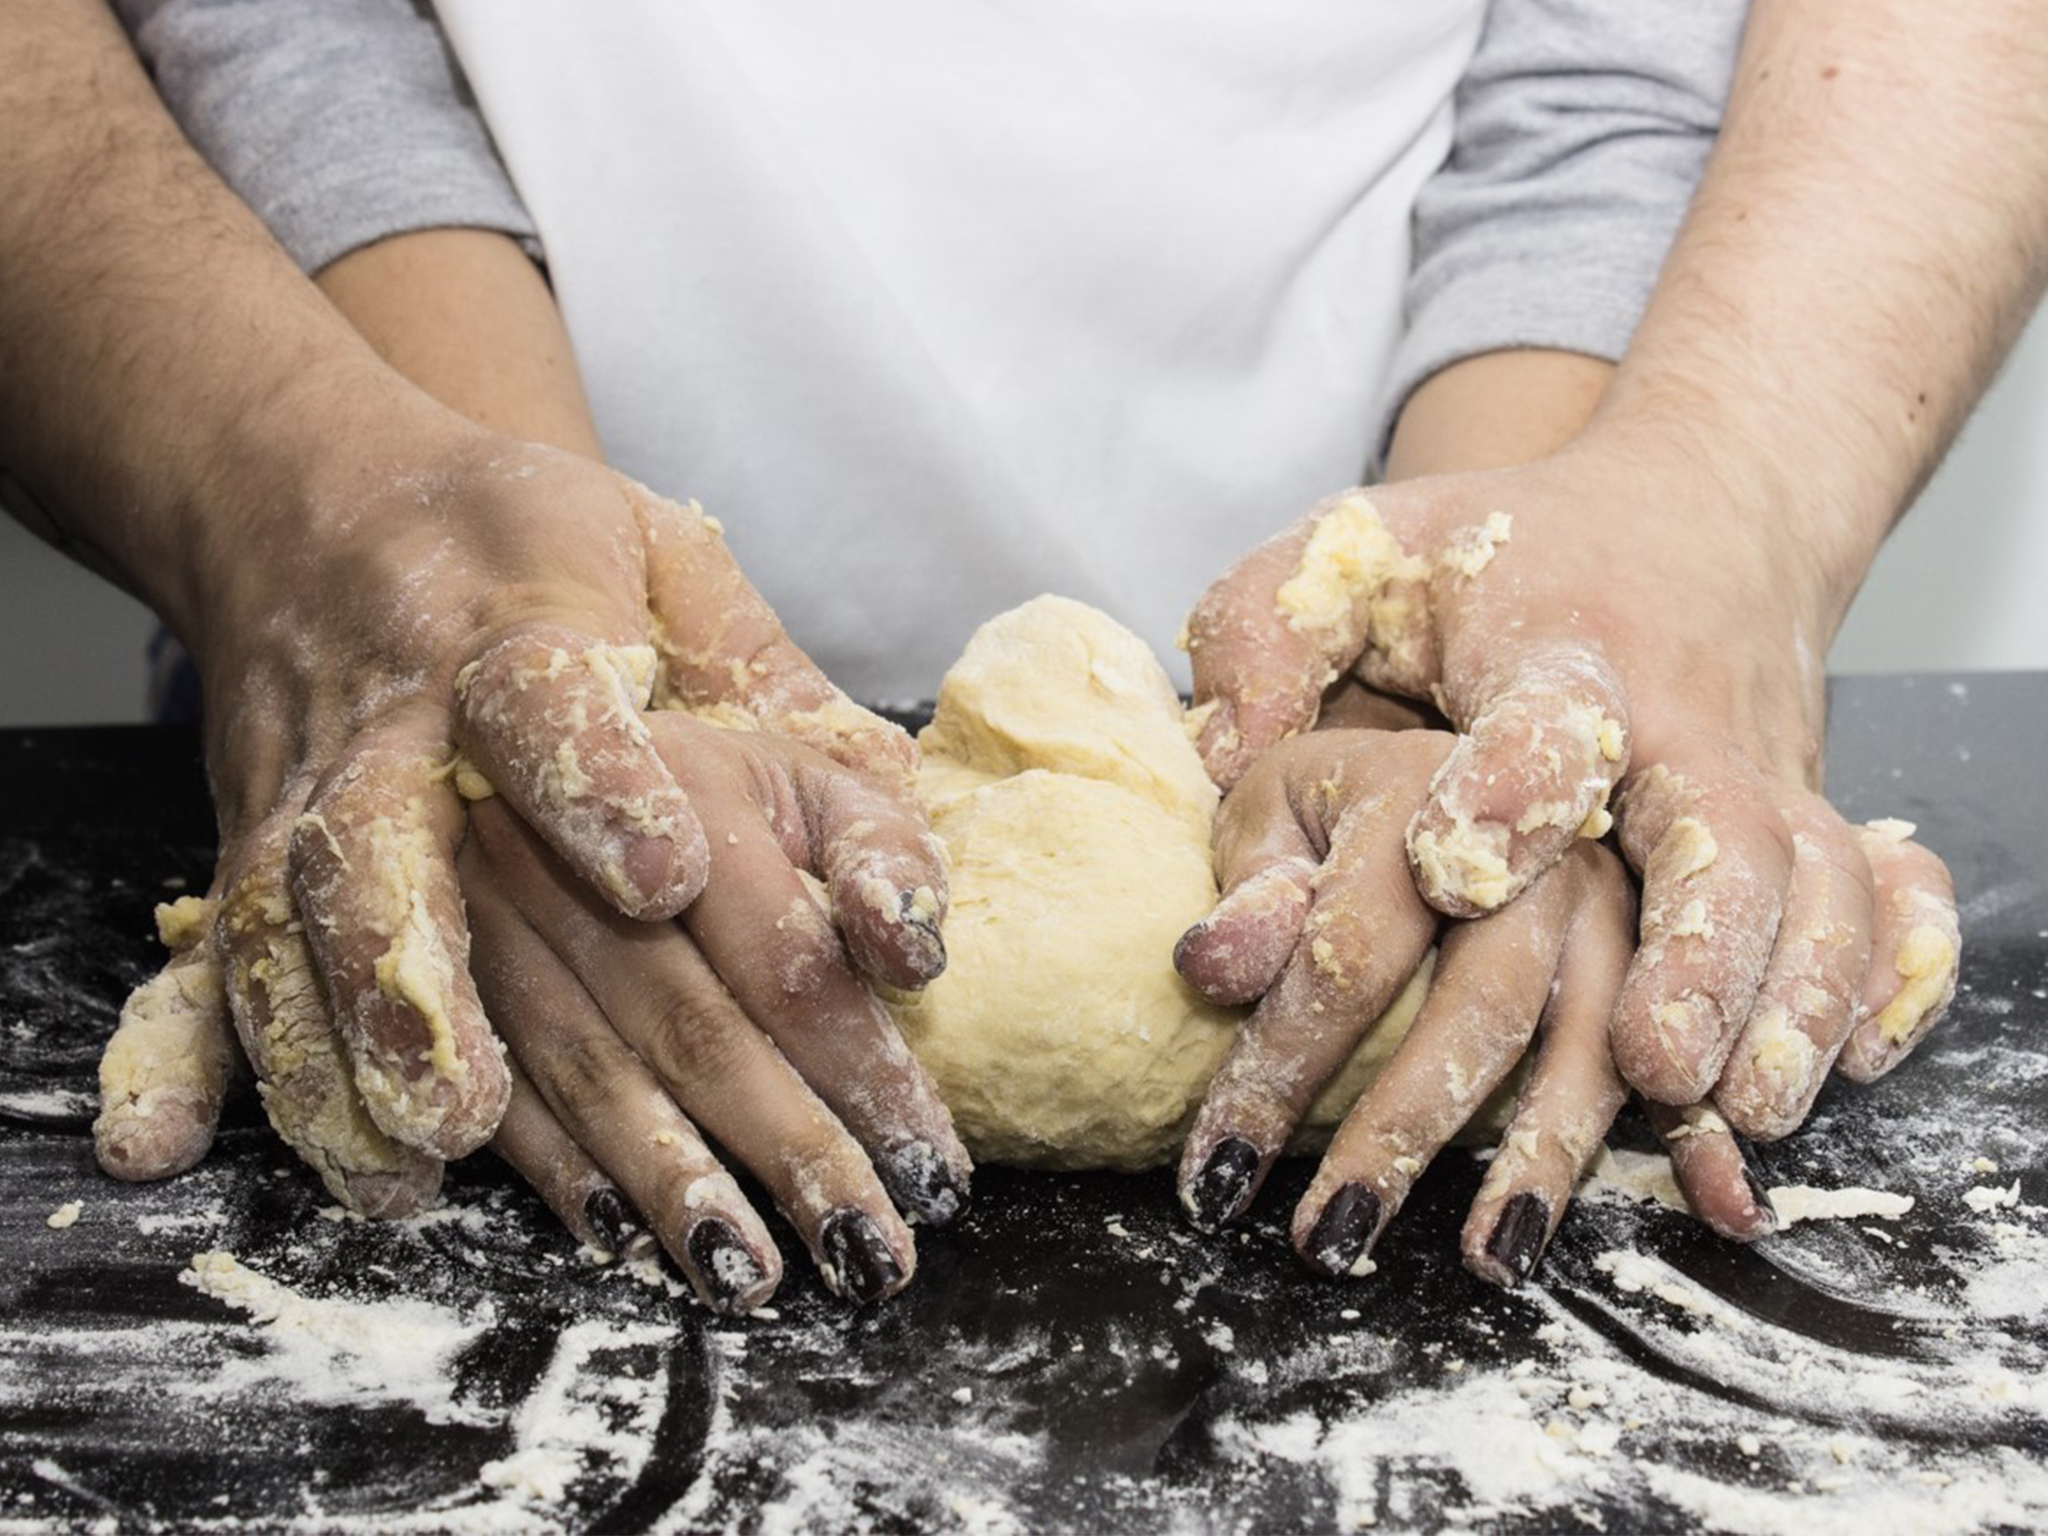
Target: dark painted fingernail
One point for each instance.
(927, 936)
(1518, 1235)
(922, 1182)
(859, 1265)
(1214, 1195)
(607, 1212)
(1758, 1193)
(724, 1263)
(1338, 1239)
(1180, 946)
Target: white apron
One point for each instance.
(939, 306)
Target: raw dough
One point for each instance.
(1075, 813)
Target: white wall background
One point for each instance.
(1963, 582)
(1962, 585)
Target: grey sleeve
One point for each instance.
(339, 122)
(1581, 129)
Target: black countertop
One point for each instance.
(1071, 1356)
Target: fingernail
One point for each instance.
(1758, 1193)
(1518, 1235)
(925, 938)
(1214, 1194)
(923, 1183)
(1339, 1238)
(726, 1265)
(1180, 947)
(612, 1219)
(858, 1264)
(649, 863)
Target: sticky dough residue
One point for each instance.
(564, 783)
(1926, 963)
(309, 1089)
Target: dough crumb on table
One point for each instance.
(64, 1216)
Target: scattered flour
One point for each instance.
(582, 1414)
(1646, 1177)
(1802, 1202)
(333, 1351)
(1985, 1198)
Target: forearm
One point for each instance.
(169, 379)
(465, 315)
(1495, 410)
(1871, 233)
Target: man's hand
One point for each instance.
(1646, 609)
(1589, 626)
(518, 605)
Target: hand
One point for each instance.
(1903, 994)
(513, 602)
(1319, 921)
(743, 1022)
(1572, 618)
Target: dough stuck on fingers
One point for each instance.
(1075, 814)
(305, 1081)
(165, 1071)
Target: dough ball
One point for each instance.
(1060, 1035)
(1075, 816)
(1056, 684)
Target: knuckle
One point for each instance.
(697, 1040)
(584, 1073)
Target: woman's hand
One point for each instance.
(1321, 923)
(744, 1022)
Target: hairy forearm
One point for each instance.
(1870, 236)
(167, 378)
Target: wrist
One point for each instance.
(1802, 532)
(280, 486)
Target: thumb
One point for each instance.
(1293, 616)
(726, 656)
(1545, 738)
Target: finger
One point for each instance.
(1287, 620)
(164, 1073)
(1266, 865)
(725, 654)
(1491, 983)
(551, 719)
(280, 1016)
(1365, 933)
(1807, 1003)
(580, 1193)
(1916, 951)
(1545, 739)
(1708, 1162)
(373, 875)
(772, 942)
(670, 1015)
(606, 1100)
(1716, 857)
(1572, 1095)
(881, 866)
